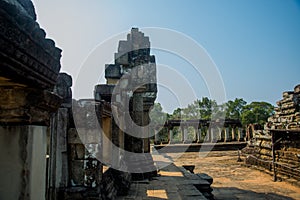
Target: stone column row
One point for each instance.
(206, 134)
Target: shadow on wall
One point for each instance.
(232, 193)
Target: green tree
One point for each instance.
(177, 114)
(207, 107)
(256, 112)
(191, 111)
(234, 108)
(199, 109)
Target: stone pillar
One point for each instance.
(213, 133)
(233, 133)
(184, 134)
(58, 170)
(115, 134)
(156, 136)
(219, 133)
(106, 141)
(85, 144)
(170, 136)
(58, 158)
(227, 135)
(132, 79)
(195, 139)
(222, 138)
(207, 134)
(23, 162)
(26, 115)
(240, 134)
(199, 135)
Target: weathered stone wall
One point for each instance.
(84, 144)
(288, 156)
(277, 147)
(58, 165)
(287, 114)
(30, 64)
(23, 162)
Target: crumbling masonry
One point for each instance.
(95, 153)
(276, 148)
(29, 68)
(54, 147)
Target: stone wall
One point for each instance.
(287, 114)
(75, 169)
(30, 65)
(23, 162)
(53, 147)
(276, 148)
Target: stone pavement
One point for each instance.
(171, 184)
(232, 180)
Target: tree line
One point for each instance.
(205, 108)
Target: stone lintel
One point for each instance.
(103, 92)
(21, 105)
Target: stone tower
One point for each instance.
(131, 88)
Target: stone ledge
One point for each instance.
(26, 55)
(27, 106)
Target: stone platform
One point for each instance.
(197, 147)
(172, 183)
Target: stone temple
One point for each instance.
(57, 148)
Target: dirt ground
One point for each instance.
(234, 181)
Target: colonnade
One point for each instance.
(202, 132)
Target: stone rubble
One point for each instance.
(287, 114)
(284, 129)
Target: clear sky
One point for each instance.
(254, 44)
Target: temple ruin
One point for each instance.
(30, 65)
(276, 147)
(57, 148)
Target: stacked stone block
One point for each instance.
(284, 125)
(287, 114)
(84, 152)
(131, 89)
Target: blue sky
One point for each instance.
(254, 44)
